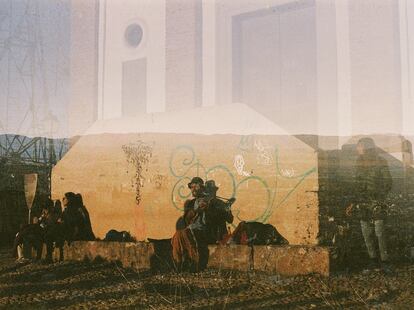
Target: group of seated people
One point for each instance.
(205, 221)
(54, 225)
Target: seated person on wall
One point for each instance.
(29, 236)
(53, 230)
(218, 214)
(189, 243)
(48, 216)
(75, 218)
(72, 218)
(58, 208)
(204, 222)
(41, 231)
(86, 233)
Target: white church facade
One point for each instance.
(311, 66)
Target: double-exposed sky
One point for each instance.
(34, 66)
(288, 75)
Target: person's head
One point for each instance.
(196, 186)
(69, 199)
(79, 200)
(58, 206)
(211, 188)
(366, 146)
(49, 205)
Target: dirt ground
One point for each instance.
(104, 285)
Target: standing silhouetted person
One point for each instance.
(372, 184)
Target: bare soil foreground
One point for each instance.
(104, 285)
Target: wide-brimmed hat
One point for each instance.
(211, 185)
(196, 180)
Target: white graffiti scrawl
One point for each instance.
(239, 165)
(264, 155)
(288, 172)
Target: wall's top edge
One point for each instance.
(236, 119)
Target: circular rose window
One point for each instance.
(133, 35)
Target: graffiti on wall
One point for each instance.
(138, 155)
(184, 164)
(262, 150)
(239, 164)
(289, 172)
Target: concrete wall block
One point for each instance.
(292, 260)
(135, 255)
(283, 260)
(237, 257)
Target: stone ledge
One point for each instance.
(238, 257)
(284, 260)
(130, 254)
(292, 260)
